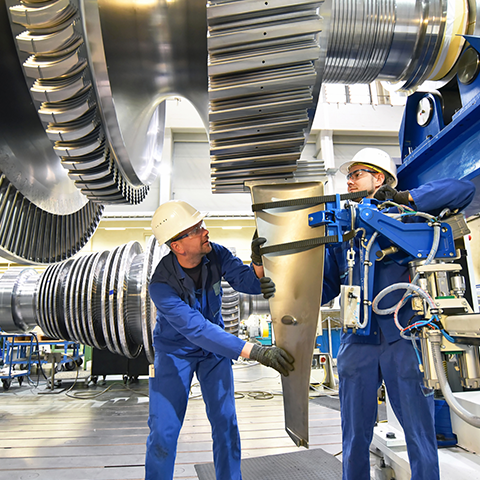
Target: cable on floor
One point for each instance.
(78, 395)
(322, 394)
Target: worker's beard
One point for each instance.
(371, 193)
(206, 248)
(370, 190)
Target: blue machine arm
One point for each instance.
(410, 240)
(414, 239)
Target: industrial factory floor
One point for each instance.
(50, 435)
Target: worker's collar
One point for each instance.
(179, 270)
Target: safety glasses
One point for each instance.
(197, 230)
(354, 176)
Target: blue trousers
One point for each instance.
(361, 369)
(169, 391)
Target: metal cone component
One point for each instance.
(297, 271)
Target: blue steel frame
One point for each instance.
(414, 240)
(436, 151)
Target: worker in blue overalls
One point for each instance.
(364, 361)
(189, 337)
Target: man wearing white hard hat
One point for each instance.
(189, 337)
(364, 361)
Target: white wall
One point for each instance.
(191, 182)
(185, 162)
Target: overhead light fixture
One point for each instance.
(115, 228)
(231, 228)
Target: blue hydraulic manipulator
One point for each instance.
(440, 131)
(381, 234)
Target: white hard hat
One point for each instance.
(172, 218)
(377, 158)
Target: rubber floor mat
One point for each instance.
(314, 464)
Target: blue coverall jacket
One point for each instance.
(189, 337)
(364, 361)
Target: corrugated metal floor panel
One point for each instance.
(53, 436)
(313, 464)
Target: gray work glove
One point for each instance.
(386, 192)
(274, 357)
(267, 286)
(257, 242)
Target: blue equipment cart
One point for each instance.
(20, 351)
(17, 352)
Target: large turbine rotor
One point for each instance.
(83, 85)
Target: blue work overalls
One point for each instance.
(364, 361)
(189, 337)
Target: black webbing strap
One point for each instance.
(348, 236)
(308, 201)
(301, 244)
(305, 244)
